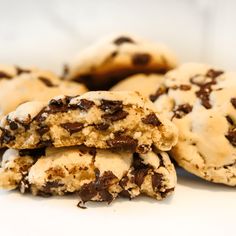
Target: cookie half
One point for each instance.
(201, 101)
(103, 119)
(95, 174)
(146, 84)
(23, 85)
(116, 57)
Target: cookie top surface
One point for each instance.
(33, 85)
(97, 119)
(146, 84)
(114, 58)
(200, 100)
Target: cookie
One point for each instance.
(95, 174)
(201, 101)
(32, 85)
(116, 57)
(102, 119)
(146, 84)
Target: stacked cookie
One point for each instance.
(100, 145)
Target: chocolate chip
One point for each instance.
(102, 126)
(80, 205)
(20, 70)
(85, 104)
(229, 119)
(205, 88)
(125, 194)
(158, 93)
(140, 170)
(38, 152)
(43, 129)
(56, 106)
(98, 187)
(122, 40)
(47, 81)
(184, 87)
(214, 73)
(4, 75)
(13, 125)
(73, 127)
(233, 102)
(143, 148)
(151, 119)
(123, 142)
(118, 115)
(231, 136)
(6, 136)
(165, 193)
(50, 185)
(156, 181)
(182, 110)
(141, 59)
(123, 182)
(45, 143)
(111, 106)
(113, 54)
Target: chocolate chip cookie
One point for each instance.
(95, 174)
(102, 119)
(146, 84)
(19, 85)
(116, 57)
(201, 101)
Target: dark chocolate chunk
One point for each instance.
(184, 87)
(123, 182)
(122, 40)
(57, 106)
(4, 75)
(6, 136)
(45, 143)
(230, 120)
(140, 170)
(182, 110)
(164, 194)
(81, 206)
(43, 129)
(143, 148)
(118, 115)
(123, 142)
(158, 93)
(111, 106)
(13, 125)
(231, 136)
(47, 81)
(233, 102)
(125, 194)
(156, 181)
(38, 152)
(113, 54)
(151, 119)
(141, 59)
(98, 187)
(50, 185)
(214, 73)
(205, 88)
(102, 126)
(20, 70)
(73, 127)
(85, 104)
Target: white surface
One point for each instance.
(196, 208)
(48, 32)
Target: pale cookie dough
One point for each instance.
(114, 58)
(146, 84)
(33, 85)
(95, 174)
(102, 119)
(201, 101)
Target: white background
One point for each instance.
(46, 33)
